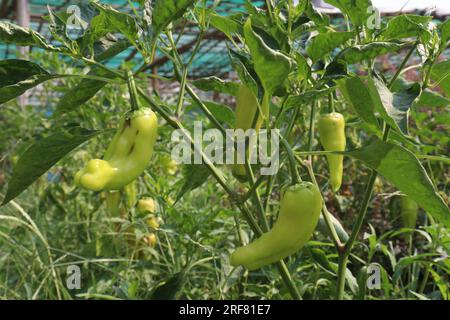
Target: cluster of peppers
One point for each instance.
(125, 159)
(301, 203)
(131, 149)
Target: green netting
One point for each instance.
(211, 59)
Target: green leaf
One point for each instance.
(401, 168)
(428, 98)
(167, 11)
(358, 11)
(303, 68)
(320, 257)
(406, 26)
(17, 76)
(111, 49)
(83, 92)
(217, 85)
(228, 25)
(324, 43)
(305, 97)
(245, 71)
(57, 27)
(13, 34)
(445, 32)
(171, 288)
(441, 74)
(441, 283)
(42, 155)
(337, 69)
(393, 106)
(221, 112)
(431, 99)
(272, 67)
(356, 92)
(195, 175)
(323, 228)
(111, 20)
(316, 16)
(263, 24)
(368, 51)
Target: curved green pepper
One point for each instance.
(246, 107)
(323, 228)
(408, 213)
(126, 157)
(300, 208)
(332, 137)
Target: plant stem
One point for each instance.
(311, 125)
(330, 103)
(399, 70)
(292, 162)
(182, 91)
(326, 214)
(343, 256)
(284, 272)
(132, 90)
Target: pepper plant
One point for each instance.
(295, 72)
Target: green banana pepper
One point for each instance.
(300, 208)
(408, 213)
(331, 128)
(246, 107)
(126, 157)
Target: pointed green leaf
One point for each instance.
(368, 51)
(405, 26)
(217, 85)
(111, 20)
(432, 99)
(441, 74)
(245, 70)
(393, 106)
(445, 32)
(228, 25)
(221, 112)
(401, 168)
(167, 11)
(272, 67)
(17, 76)
(358, 11)
(356, 92)
(325, 43)
(13, 34)
(195, 175)
(42, 155)
(83, 92)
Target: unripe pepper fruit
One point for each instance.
(300, 208)
(408, 213)
(151, 240)
(148, 205)
(331, 128)
(246, 107)
(127, 155)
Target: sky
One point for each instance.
(388, 6)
